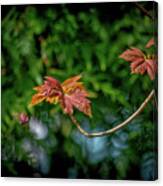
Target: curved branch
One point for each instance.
(119, 126)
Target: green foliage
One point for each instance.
(67, 40)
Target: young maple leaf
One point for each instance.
(141, 63)
(50, 91)
(71, 93)
(75, 96)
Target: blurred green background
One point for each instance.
(62, 41)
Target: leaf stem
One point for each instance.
(119, 126)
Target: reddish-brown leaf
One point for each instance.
(78, 100)
(151, 68)
(70, 94)
(132, 54)
(50, 91)
(150, 43)
(75, 95)
(140, 63)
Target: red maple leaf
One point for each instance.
(50, 91)
(140, 63)
(75, 96)
(71, 93)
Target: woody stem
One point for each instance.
(141, 8)
(119, 126)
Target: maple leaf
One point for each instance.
(50, 91)
(75, 96)
(132, 54)
(140, 63)
(71, 93)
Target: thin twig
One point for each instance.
(144, 10)
(119, 126)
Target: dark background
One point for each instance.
(62, 41)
